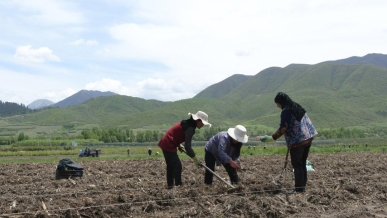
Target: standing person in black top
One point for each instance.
(299, 133)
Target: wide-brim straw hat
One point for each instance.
(238, 133)
(201, 116)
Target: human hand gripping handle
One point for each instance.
(182, 149)
(196, 161)
(266, 138)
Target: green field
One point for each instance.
(141, 152)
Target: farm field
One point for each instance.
(344, 184)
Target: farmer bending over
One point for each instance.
(182, 131)
(224, 149)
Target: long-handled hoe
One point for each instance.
(216, 175)
(276, 180)
(213, 173)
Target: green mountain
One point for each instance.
(224, 87)
(334, 94)
(102, 111)
(372, 59)
(80, 97)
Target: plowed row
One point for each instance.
(342, 185)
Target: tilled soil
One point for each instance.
(342, 185)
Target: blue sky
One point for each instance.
(171, 50)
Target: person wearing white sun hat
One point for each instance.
(224, 149)
(181, 132)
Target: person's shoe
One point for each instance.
(170, 187)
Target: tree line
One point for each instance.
(114, 135)
(10, 109)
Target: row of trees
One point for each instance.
(119, 135)
(114, 135)
(348, 133)
(204, 134)
(10, 109)
(128, 135)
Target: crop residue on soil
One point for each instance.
(343, 185)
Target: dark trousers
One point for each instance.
(298, 157)
(210, 163)
(174, 168)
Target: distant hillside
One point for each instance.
(39, 104)
(224, 87)
(372, 59)
(80, 97)
(333, 94)
(104, 110)
(10, 109)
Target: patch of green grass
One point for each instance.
(141, 152)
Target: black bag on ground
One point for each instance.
(67, 168)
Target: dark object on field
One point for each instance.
(67, 168)
(89, 152)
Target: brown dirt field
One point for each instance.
(342, 185)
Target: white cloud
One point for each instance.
(164, 90)
(169, 50)
(59, 95)
(206, 38)
(153, 84)
(246, 52)
(49, 12)
(107, 85)
(149, 88)
(91, 42)
(39, 55)
(22, 87)
(86, 42)
(77, 42)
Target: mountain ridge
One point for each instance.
(39, 104)
(334, 95)
(81, 97)
(372, 59)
